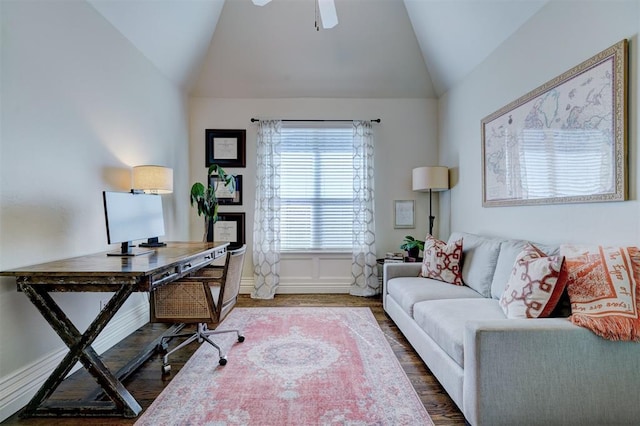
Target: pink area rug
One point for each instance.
(297, 366)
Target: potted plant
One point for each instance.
(412, 246)
(205, 197)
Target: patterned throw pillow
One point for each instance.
(442, 261)
(535, 285)
(603, 289)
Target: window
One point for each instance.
(316, 188)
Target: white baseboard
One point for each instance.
(17, 389)
(301, 287)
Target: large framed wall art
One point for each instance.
(564, 142)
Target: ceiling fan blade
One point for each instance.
(260, 2)
(328, 13)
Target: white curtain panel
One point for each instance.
(266, 223)
(364, 268)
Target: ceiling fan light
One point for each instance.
(260, 2)
(327, 13)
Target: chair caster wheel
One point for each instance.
(223, 361)
(166, 369)
(241, 338)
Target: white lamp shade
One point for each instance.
(435, 178)
(153, 179)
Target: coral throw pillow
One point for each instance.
(442, 261)
(535, 285)
(603, 289)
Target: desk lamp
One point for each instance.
(153, 180)
(430, 178)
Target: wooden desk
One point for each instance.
(101, 273)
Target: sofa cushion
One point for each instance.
(444, 321)
(442, 261)
(509, 250)
(479, 258)
(535, 285)
(407, 291)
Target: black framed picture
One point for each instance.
(229, 227)
(226, 147)
(224, 195)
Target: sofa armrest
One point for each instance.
(406, 269)
(547, 371)
(395, 270)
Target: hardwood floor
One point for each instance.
(147, 383)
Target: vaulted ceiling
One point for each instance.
(379, 49)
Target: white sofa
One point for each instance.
(503, 371)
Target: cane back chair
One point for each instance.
(204, 299)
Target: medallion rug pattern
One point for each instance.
(297, 366)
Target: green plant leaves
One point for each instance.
(410, 242)
(204, 198)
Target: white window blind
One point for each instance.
(316, 188)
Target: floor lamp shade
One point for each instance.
(153, 179)
(432, 178)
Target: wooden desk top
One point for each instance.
(173, 261)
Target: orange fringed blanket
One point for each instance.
(603, 290)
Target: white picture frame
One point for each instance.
(404, 214)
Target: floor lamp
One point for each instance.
(430, 178)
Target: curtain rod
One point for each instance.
(377, 120)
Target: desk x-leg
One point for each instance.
(122, 402)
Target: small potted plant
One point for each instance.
(205, 197)
(412, 246)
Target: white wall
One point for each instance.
(560, 36)
(80, 107)
(406, 138)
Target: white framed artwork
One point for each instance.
(404, 214)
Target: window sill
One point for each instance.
(319, 253)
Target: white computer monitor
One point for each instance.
(132, 216)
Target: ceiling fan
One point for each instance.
(327, 9)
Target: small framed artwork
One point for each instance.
(403, 214)
(224, 195)
(229, 227)
(225, 147)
